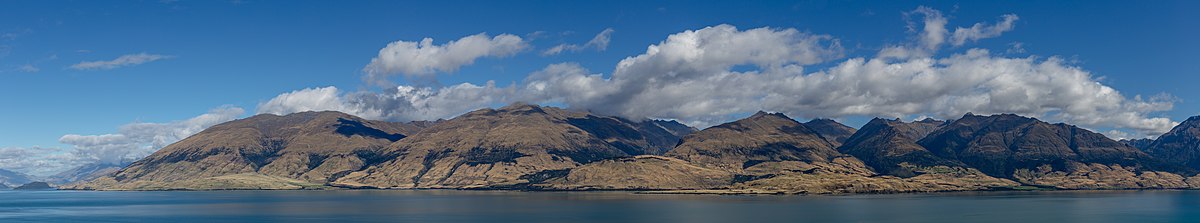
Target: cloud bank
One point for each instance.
(714, 74)
(131, 142)
(401, 103)
(122, 61)
(136, 140)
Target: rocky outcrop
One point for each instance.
(1093, 176)
(505, 147)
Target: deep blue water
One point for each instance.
(504, 206)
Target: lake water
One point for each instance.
(506, 206)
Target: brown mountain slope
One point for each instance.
(771, 153)
(1038, 153)
(763, 137)
(890, 146)
(504, 147)
(834, 132)
(308, 146)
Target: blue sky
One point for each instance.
(210, 54)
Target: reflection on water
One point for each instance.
(510, 206)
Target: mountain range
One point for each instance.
(9, 179)
(532, 147)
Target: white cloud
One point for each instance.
(131, 142)
(28, 68)
(933, 34)
(691, 77)
(416, 59)
(37, 161)
(122, 61)
(136, 140)
(308, 99)
(712, 75)
(599, 42)
(401, 103)
(981, 31)
(688, 75)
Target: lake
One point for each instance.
(512, 206)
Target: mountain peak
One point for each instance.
(763, 137)
(835, 132)
(763, 114)
(518, 106)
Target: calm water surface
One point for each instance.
(504, 206)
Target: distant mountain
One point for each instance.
(85, 173)
(312, 147)
(1142, 144)
(512, 145)
(890, 146)
(13, 179)
(1039, 153)
(834, 132)
(34, 186)
(1181, 145)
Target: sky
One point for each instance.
(109, 82)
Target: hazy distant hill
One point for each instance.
(85, 173)
(1142, 144)
(13, 179)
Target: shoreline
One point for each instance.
(733, 192)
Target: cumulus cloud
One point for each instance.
(712, 75)
(691, 77)
(688, 75)
(37, 161)
(136, 140)
(416, 59)
(933, 33)
(400, 103)
(599, 42)
(122, 61)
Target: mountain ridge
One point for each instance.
(531, 147)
